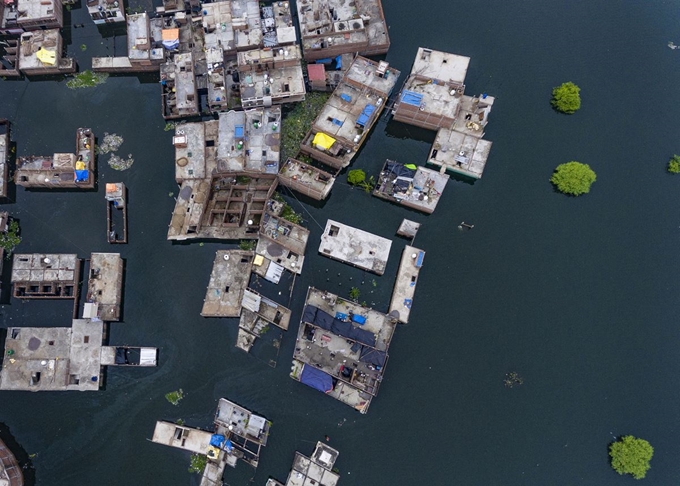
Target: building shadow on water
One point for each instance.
(403, 131)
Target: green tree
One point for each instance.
(631, 456)
(356, 177)
(10, 239)
(566, 98)
(674, 164)
(573, 178)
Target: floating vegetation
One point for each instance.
(198, 463)
(179, 421)
(295, 124)
(87, 79)
(175, 397)
(10, 239)
(110, 143)
(354, 294)
(513, 378)
(118, 163)
(172, 125)
(83, 47)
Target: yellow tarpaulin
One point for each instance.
(323, 141)
(80, 165)
(47, 57)
(259, 260)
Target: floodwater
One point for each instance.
(577, 295)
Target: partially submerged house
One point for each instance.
(416, 187)
(145, 51)
(45, 276)
(271, 76)
(63, 358)
(11, 474)
(36, 53)
(341, 348)
(257, 314)
(332, 27)
(228, 281)
(306, 179)
(316, 470)
(106, 11)
(405, 284)
(179, 96)
(238, 434)
(355, 247)
(433, 97)
(38, 14)
(62, 170)
(349, 114)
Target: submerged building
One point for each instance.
(341, 348)
(433, 97)
(332, 27)
(5, 151)
(238, 434)
(415, 187)
(145, 51)
(36, 53)
(349, 114)
(64, 358)
(62, 170)
(316, 470)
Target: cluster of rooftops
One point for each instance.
(237, 61)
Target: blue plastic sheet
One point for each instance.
(411, 98)
(82, 175)
(317, 379)
(365, 115)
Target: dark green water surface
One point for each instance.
(578, 295)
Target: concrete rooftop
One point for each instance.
(460, 153)
(441, 66)
(355, 246)
(228, 280)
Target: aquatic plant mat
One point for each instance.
(87, 79)
(298, 121)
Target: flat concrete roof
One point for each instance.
(405, 284)
(194, 159)
(264, 308)
(441, 66)
(228, 280)
(53, 358)
(283, 242)
(138, 36)
(363, 71)
(40, 267)
(315, 470)
(242, 422)
(31, 42)
(37, 9)
(419, 189)
(306, 179)
(181, 437)
(460, 153)
(4, 156)
(355, 246)
(249, 140)
(105, 284)
(408, 228)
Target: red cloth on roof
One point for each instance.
(316, 72)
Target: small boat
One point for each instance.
(116, 213)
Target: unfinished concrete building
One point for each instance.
(316, 470)
(257, 314)
(238, 434)
(281, 241)
(62, 358)
(104, 287)
(355, 247)
(271, 76)
(195, 150)
(341, 348)
(62, 170)
(45, 276)
(4, 155)
(332, 27)
(306, 179)
(415, 187)
(179, 96)
(349, 114)
(433, 98)
(145, 51)
(228, 280)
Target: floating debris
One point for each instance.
(110, 143)
(175, 397)
(118, 163)
(87, 79)
(513, 378)
(672, 46)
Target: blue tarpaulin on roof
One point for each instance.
(337, 122)
(325, 60)
(411, 98)
(217, 440)
(82, 175)
(345, 97)
(316, 379)
(338, 63)
(358, 319)
(238, 131)
(228, 446)
(363, 118)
